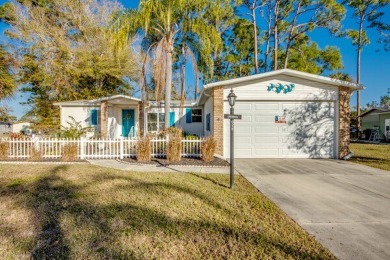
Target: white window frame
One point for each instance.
(158, 122)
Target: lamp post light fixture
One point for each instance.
(232, 101)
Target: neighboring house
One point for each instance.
(21, 126)
(285, 114)
(5, 127)
(377, 118)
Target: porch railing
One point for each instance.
(52, 148)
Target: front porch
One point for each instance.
(128, 117)
(120, 117)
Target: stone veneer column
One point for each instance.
(218, 119)
(104, 119)
(344, 121)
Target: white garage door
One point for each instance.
(283, 130)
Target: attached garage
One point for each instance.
(308, 117)
(307, 132)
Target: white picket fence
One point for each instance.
(52, 148)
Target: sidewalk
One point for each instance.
(115, 164)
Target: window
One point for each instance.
(156, 122)
(94, 117)
(196, 116)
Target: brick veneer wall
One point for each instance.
(344, 121)
(104, 119)
(218, 119)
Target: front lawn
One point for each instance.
(374, 155)
(88, 212)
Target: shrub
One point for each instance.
(4, 150)
(173, 149)
(144, 150)
(35, 154)
(189, 136)
(208, 149)
(75, 129)
(70, 152)
(18, 136)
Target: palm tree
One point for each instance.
(166, 21)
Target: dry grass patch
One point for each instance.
(208, 149)
(4, 150)
(88, 212)
(144, 149)
(35, 154)
(70, 152)
(173, 149)
(374, 155)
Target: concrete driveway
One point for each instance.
(345, 206)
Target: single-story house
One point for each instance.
(5, 127)
(377, 118)
(21, 126)
(285, 114)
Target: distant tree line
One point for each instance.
(81, 49)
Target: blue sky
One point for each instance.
(375, 73)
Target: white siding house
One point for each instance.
(285, 114)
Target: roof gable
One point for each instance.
(288, 72)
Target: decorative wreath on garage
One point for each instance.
(280, 88)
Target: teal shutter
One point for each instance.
(188, 115)
(94, 117)
(172, 119)
(208, 122)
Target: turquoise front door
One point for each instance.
(128, 123)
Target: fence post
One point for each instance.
(121, 147)
(82, 148)
(36, 143)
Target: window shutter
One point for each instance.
(188, 115)
(172, 119)
(208, 122)
(94, 117)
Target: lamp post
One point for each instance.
(232, 100)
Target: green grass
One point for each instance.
(374, 155)
(88, 212)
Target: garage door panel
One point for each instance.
(265, 140)
(263, 119)
(261, 107)
(242, 128)
(266, 129)
(308, 133)
(246, 119)
(264, 112)
(242, 141)
(270, 152)
(243, 152)
(243, 107)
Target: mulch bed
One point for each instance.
(217, 162)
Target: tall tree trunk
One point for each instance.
(359, 52)
(276, 43)
(290, 37)
(255, 38)
(183, 79)
(168, 84)
(269, 32)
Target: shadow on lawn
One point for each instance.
(52, 196)
(46, 202)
